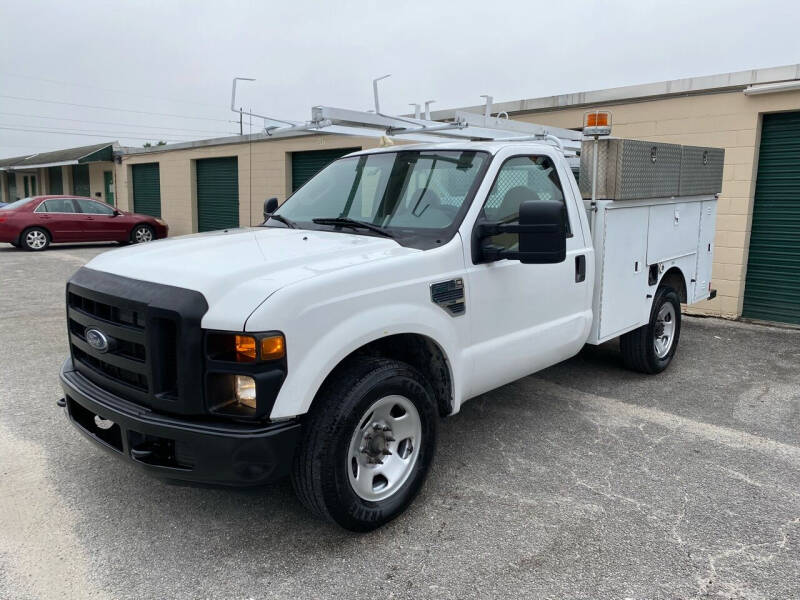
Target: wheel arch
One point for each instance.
(29, 227)
(675, 278)
(418, 350)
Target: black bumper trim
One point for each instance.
(218, 453)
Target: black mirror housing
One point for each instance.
(270, 206)
(542, 234)
(546, 243)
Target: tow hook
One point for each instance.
(141, 454)
(61, 402)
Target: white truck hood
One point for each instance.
(236, 270)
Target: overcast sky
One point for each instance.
(177, 58)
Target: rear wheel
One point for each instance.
(369, 441)
(651, 347)
(142, 233)
(35, 239)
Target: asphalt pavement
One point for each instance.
(582, 481)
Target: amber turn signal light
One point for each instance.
(245, 348)
(273, 347)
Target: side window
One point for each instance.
(520, 179)
(56, 205)
(90, 207)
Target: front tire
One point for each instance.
(650, 348)
(142, 234)
(35, 239)
(369, 441)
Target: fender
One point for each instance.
(316, 357)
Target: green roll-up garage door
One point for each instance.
(217, 193)
(80, 180)
(12, 187)
(55, 183)
(307, 164)
(146, 189)
(772, 286)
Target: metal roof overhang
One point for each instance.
(62, 163)
(60, 158)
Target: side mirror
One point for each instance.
(117, 212)
(542, 235)
(270, 206)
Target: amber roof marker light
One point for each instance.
(595, 124)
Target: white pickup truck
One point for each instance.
(394, 286)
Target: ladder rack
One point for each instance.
(465, 125)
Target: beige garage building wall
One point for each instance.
(96, 180)
(729, 120)
(264, 172)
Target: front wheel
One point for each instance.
(141, 234)
(369, 441)
(651, 347)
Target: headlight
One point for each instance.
(239, 368)
(233, 395)
(246, 391)
(161, 222)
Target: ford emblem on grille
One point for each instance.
(97, 340)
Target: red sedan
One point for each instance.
(33, 223)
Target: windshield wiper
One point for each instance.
(288, 222)
(348, 222)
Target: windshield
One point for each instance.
(416, 192)
(16, 204)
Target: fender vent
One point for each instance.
(450, 296)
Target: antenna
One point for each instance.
(375, 92)
(428, 109)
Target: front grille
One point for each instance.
(124, 369)
(154, 354)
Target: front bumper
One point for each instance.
(210, 452)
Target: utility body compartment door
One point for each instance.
(622, 272)
(705, 249)
(672, 231)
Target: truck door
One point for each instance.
(526, 317)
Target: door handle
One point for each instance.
(580, 268)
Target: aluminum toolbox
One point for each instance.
(637, 169)
(701, 170)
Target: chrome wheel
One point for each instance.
(384, 448)
(143, 234)
(36, 239)
(664, 332)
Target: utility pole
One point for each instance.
(241, 132)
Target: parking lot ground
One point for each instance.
(582, 481)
